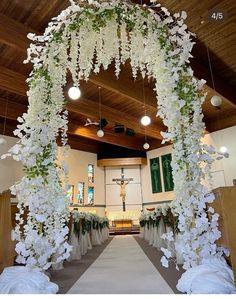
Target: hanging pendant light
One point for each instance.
(100, 132)
(146, 145)
(74, 93)
(145, 120)
(216, 101)
(3, 140)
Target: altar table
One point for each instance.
(122, 223)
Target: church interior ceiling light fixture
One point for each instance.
(74, 93)
(224, 152)
(223, 149)
(100, 132)
(145, 120)
(216, 101)
(146, 145)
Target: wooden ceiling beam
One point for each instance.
(109, 137)
(14, 34)
(75, 142)
(83, 144)
(222, 88)
(12, 81)
(7, 128)
(125, 87)
(221, 122)
(16, 83)
(14, 110)
(89, 108)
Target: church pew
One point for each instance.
(7, 246)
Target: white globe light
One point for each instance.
(74, 93)
(2, 141)
(216, 101)
(146, 146)
(223, 149)
(100, 133)
(145, 120)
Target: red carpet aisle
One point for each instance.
(122, 268)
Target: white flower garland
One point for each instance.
(83, 39)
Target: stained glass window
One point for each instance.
(80, 194)
(70, 194)
(90, 195)
(90, 173)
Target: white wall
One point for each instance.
(133, 201)
(133, 189)
(77, 162)
(224, 171)
(227, 138)
(10, 170)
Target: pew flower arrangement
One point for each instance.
(83, 222)
(153, 218)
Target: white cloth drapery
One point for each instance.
(153, 235)
(86, 241)
(76, 249)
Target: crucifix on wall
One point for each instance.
(122, 182)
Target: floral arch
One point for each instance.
(81, 40)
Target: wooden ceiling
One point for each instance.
(122, 100)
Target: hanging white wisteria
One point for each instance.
(81, 40)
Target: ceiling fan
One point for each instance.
(89, 122)
(102, 123)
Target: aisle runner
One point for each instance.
(122, 268)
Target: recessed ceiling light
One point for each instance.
(223, 149)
